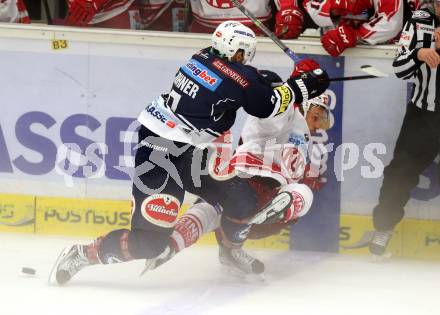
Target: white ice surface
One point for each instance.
(192, 284)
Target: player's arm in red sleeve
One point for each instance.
(23, 16)
(384, 25)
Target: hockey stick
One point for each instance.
(154, 18)
(363, 242)
(266, 31)
(48, 14)
(358, 77)
(373, 73)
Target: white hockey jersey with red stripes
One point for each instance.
(275, 147)
(211, 13)
(381, 27)
(113, 8)
(13, 11)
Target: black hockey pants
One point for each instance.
(417, 146)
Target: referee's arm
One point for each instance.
(406, 62)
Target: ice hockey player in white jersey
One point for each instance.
(126, 14)
(199, 16)
(208, 14)
(13, 11)
(347, 22)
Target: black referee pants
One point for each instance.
(417, 146)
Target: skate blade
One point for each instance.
(149, 265)
(52, 276)
(241, 275)
(269, 213)
(379, 259)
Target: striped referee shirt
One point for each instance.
(418, 33)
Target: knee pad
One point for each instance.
(302, 199)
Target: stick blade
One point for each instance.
(373, 71)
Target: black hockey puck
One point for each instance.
(28, 271)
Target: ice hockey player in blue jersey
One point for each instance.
(171, 156)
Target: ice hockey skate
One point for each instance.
(153, 263)
(237, 262)
(379, 243)
(71, 260)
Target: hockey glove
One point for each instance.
(305, 65)
(309, 84)
(289, 20)
(81, 12)
(314, 181)
(337, 40)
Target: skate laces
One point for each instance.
(77, 261)
(242, 257)
(381, 238)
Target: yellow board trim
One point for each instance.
(411, 238)
(91, 218)
(17, 213)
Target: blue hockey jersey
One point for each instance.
(207, 92)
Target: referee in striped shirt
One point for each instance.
(418, 143)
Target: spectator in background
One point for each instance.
(168, 15)
(13, 11)
(346, 22)
(162, 15)
(208, 14)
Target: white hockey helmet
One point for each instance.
(230, 36)
(322, 101)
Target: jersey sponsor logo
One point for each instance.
(285, 96)
(343, 35)
(421, 15)
(154, 146)
(153, 111)
(222, 4)
(297, 140)
(303, 88)
(298, 204)
(161, 209)
(188, 229)
(420, 27)
(244, 33)
(186, 85)
(202, 75)
(235, 76)
(405, 36)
